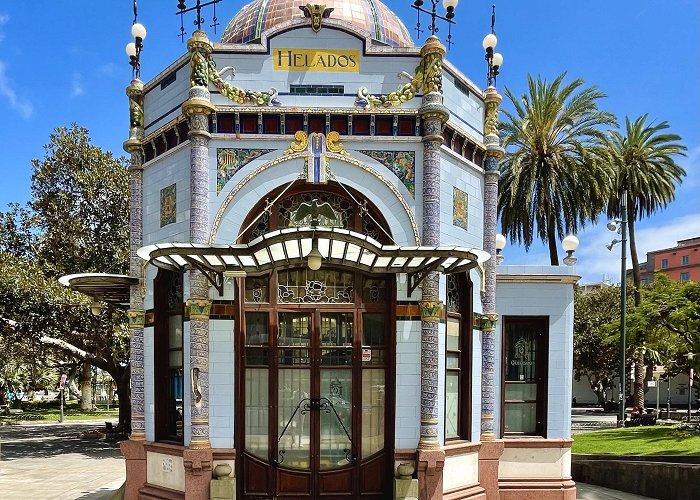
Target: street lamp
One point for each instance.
(570, 244)
(500, 245)
(620, 226)
(448, 5)
(494, 60)
(133, 49)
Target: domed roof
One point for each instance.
(371, 16)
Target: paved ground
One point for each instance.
(51, 462)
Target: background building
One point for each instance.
(680, 263)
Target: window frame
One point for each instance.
(464, 393)
(542, 370)
(664, 263)
(685, 260)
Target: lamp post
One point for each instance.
(691, 373)
(500, 245)
(621, 227)
(133, 49)
(448, 5)
(494, 60)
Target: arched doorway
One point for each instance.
(315, 367)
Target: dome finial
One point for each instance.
(317, 13)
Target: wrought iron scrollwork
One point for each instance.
(322, 404)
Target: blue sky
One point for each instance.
(64, 61)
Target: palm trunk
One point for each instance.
(552, 243)
(636, 275)
(86, 387)
(640, 372)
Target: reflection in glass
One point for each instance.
(336, 338)
(521, 418)
(452, 404)
(256, 336)
(372, 411)
(256, 412)
(336, 422)
(293, 428)
(293, 338)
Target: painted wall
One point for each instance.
(535, 297)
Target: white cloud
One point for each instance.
(76, 86)
(22, 106)
(3, 20)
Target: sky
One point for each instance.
(64, 62)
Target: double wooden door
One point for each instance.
(314, 393)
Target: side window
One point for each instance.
(664, 263)
(168, 356)
(685, 260)
(525, 369)
(458, 357)
(685, 277)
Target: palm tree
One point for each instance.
(645, 168)
(552, 178)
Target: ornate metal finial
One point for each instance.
(317, 13)
(199, 20)
(449, 5)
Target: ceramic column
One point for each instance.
(198, 108)
(494, 152)
(431, 458)
(133, 451)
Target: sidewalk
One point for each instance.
(591, 492)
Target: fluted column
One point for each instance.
(433, 116)
(136, 312)
(494, 152)
(198, 108)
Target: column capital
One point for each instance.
(432, 54)
(430, 310)
(199, 308)
(137, 318)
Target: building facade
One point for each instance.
(312, 219)
(680, 263)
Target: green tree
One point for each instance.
(77, 221)
(552, 178)
(644, 165)
(596, 351)
(643, 159)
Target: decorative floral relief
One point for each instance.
(402, 163)
(168, 205)
(460, 208)
(229, 161)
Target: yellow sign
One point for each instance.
(347, 61)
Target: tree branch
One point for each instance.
(75, 351)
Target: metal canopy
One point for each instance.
(291, 246)
(111, 288)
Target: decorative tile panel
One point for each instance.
(229, 161)
(460, 208)
(401, 163)
(168, 205)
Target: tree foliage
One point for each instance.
(77, 221)
(596, 349)
(552, 179)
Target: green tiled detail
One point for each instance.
(460, 208)
(229, 161)
(401, 163)
(168, 205)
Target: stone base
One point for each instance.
(135, 460)
(150, 492)
(430, 464)
(471, 493)
(198, 473)
(538, 489)
(405, 489)
(489, 455)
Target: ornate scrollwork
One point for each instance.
(237, 94)
(491, 118)
(334, 145)
(299, 144)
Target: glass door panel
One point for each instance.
(335, 446)
(256, 412)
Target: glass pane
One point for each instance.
(336, 338)
(294, 329)
(322, 286)
(256, 412)
(293, 420)
(175, 331)
(453, 334)
(175, 359)
(257, 289)
(372, 411)
(452, 404)
(520, 352)
(521, 418)
(175, 408)
(256, 356)
(256, 329)
(341, 207)
(526, 392)
(452, 360)
(453, 295)
(373, 329)
(336, 418)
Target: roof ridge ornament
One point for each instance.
(317, 12)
